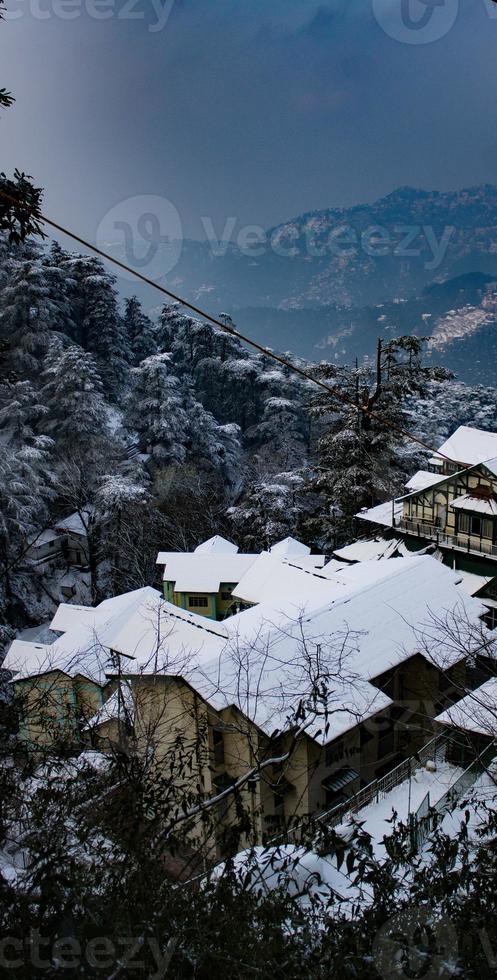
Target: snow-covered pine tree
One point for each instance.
(270, 510)
(155, 410)
(26, 485)
(362, 457)
(139, 331)
(31, 311)
(74, 396)
(98, 325)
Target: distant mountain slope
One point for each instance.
(332, 257)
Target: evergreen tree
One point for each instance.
(139, 331)
(363, 458)
(97, 324)
(26, 486)
(74, 395)
(30, 312)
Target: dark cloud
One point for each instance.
(247, 108)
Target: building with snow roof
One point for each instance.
(344, 657)
(205, 580)
(452, 511)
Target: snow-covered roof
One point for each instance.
(477, 505)
(203, 572)
(269, 579)
(477, 712)
(371, 616)
(159, 637)
(73, 524)
(216, 546)
(289, 548)
(472, 583)
(469, 446)
(382, 513)
(422, 480)
(368, 550)
(82, 648)
(377, 614)
(44, 537)
(120, 704)
(68, 616)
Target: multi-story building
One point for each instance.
(450, 510)
(326, 682)
(204, 581)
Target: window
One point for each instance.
(226, 596)
(198, 601)
(218, 740)
(475, 525)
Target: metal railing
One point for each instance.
(458, 542)
(378, 789)
(424, 821)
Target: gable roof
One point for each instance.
(371, 616)
(216, 546)
(422, 480)
(477, 712)
(203, 572)
(289, 547)
(468, 446)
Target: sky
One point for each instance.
(240, 112)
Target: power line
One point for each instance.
(235, 333)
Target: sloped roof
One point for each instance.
(477, 712)
(422, 480)
(73, 524)
(44, 537)
(377, 616)
(68, 616)
(118, 705)
(203, 572)
(269, 579)
(382, 513)
(216, 546)
(289, 548)
(371, 616)
(469, 446)
(368, 550)
(476, 505)
(82, 648)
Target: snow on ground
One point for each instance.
(303, 874)
(405, 799)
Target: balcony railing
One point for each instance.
(458, 542)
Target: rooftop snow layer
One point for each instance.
(289, 548)
(383, 514)
(369, 550)
(477, 712)
(216, 546)
(203, 572)
(422, 480)
(469, 446)
(476, 505)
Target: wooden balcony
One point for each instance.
(454, 542)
